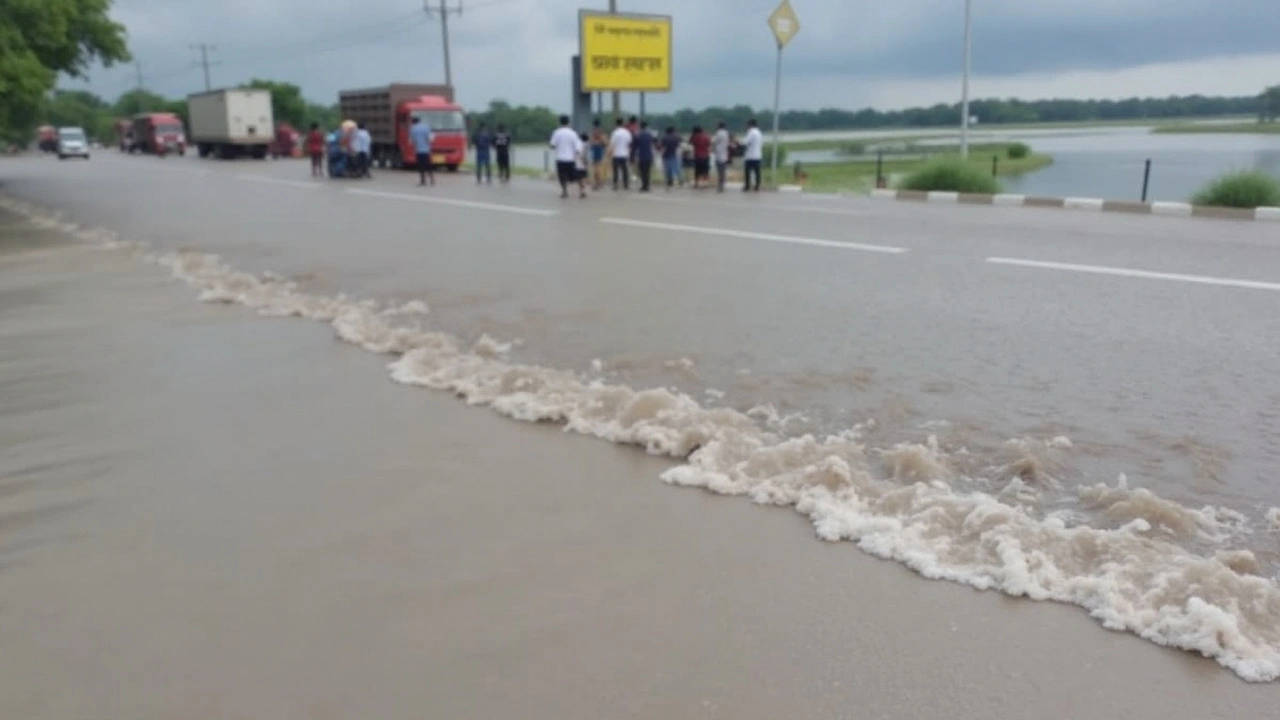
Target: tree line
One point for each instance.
(535, 123)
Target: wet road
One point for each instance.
(213, 513)
(979, 324)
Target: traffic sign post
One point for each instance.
(785, 25)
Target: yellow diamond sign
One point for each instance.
(784, 23)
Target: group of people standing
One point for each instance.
(632, 144)
(488, 143)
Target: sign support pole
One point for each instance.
(617, 96)
(777, 103)
(964, 91)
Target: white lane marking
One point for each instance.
(457, 203)
(789, 239)
(1143, 274)
(748, 206)
(278, 181)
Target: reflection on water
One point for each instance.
(1112, 166)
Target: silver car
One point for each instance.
(72, 142)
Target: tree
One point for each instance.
(40, 39)
(287, 103)
(140, 101)
(1271, 104)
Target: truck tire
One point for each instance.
(397, 162)
(452, 167)
(203, 150)
(260, 152)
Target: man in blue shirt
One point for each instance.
(483, 142)
(420, 136)
(643, 149)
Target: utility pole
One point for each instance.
(139, 94)
(444, 11)
(205, 49)
(964, 91)
(617, 96)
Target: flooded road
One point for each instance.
(209, 510)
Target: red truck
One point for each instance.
(47, 138)
(387, 112)
(159, 134)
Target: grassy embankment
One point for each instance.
(1246, 128)
(859, 174)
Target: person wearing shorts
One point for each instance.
(568, 149)
(599, 144)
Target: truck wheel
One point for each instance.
(452, 167)
(259, 153)
(397, 162)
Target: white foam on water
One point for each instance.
(898, 503)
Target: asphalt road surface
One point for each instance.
(1149, 342)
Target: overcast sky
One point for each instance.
(849, 53)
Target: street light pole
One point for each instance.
(617, 96)
(964, 92)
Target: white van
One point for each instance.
(72, 142)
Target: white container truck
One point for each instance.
(231, 123)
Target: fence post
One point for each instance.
(995, 165)
(879, 168)
(1146, 180)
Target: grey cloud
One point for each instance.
(518, 48)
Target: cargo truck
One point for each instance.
(159, 134)
(388, 111)
(232, 123)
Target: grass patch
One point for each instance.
(1253, 128)
(860, 175)
(1247, 189)
(1018, 151)
(951, 175)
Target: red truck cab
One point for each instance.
(448, 130)
(47, 136)
(159, 133)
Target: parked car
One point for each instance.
(72, 142)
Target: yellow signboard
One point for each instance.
(624, 53)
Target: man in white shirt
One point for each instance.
(620, 141)
(720, 152)
(568, 148)
(364, 149)
(753, 155)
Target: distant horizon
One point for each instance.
(630, 100)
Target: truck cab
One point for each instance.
(159, 133)
(448, 129)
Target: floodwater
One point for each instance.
(243, 487)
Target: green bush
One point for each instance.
(1018, 150)
(1246, 189)
(951, 175)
